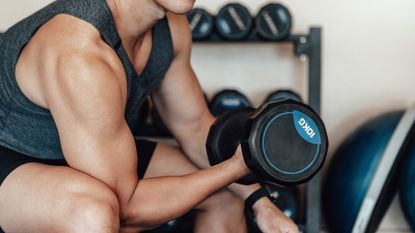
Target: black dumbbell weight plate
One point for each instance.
(283, 94)
(234, 22)
(285, 142)
(201, 23)
(228, 100)
(224, 138)
(273, 22)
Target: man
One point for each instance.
(73, 76)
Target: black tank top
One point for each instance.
(30, 129)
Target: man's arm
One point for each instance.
(181, 104)
(85, 91)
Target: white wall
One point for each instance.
(368, 61)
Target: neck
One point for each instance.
(134, 18)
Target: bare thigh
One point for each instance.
(42, 198)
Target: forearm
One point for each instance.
(193, 140)
(193, 144)
(158, 200)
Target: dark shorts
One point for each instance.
(10, 160)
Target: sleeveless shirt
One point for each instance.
(30, 129)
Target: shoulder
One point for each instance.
(68, 39)
(72, 58)
(181, 33)
(67, 46)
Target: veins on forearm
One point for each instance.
(194, 143)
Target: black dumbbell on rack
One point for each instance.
(201, 23)
(273, 22)
(283, 94)
(228, 100)
(234, 22)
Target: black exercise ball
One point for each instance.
(350, 174)
(407, 185)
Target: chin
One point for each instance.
(177, 6)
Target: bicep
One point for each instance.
(87, 104)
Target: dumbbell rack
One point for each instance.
(308, 45)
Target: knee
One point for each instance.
(93, 216)
(92, 211)
(89, 214)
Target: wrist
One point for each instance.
(262, 203)
(258, 200)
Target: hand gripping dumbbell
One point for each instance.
(283, 142)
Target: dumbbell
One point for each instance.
(282, 142)
(286, 199)
(201, 23)
(228, 100)
(234, 22)
(283, 94)
(273, 22)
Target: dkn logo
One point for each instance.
(307, 128)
